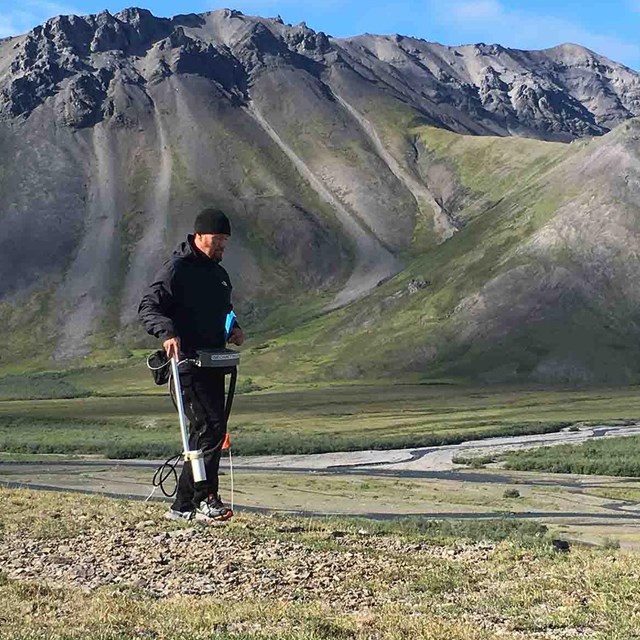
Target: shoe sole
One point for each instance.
(176, 515)
(201, 517)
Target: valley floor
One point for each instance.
(123, 420)
(425, 482)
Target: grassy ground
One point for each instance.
(595, 510)
(503, 202)
(615, 457)
(106, 569)
(307, 419)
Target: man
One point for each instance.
(186, 307)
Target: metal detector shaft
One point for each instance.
(196, 458)
(183, 420)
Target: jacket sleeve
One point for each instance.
(158, 303)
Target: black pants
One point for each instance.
(204, 406)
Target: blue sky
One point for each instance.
(609, 27)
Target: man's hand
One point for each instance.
(236, 337)
(172, 347)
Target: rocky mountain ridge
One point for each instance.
(559, 93)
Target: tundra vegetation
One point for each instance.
(118, 412)
(606, 457)
(374, 239)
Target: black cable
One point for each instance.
(164, 471)
(168, 468)
(230, 393)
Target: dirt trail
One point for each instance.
(373, 261)
(442, 222)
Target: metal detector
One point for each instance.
(224, 359)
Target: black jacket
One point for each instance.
(189, 298)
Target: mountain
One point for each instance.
(540, 284)
(370, 198)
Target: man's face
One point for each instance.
(212, 244)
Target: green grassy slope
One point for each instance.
(498, 182)
(537, 284)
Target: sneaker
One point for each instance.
(172, 514)
(213, 509)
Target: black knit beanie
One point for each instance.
(212, 221)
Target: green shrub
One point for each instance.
(609, 457)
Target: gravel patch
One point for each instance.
(351, 570)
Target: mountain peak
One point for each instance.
(134, 15)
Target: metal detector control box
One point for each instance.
(218, 358)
